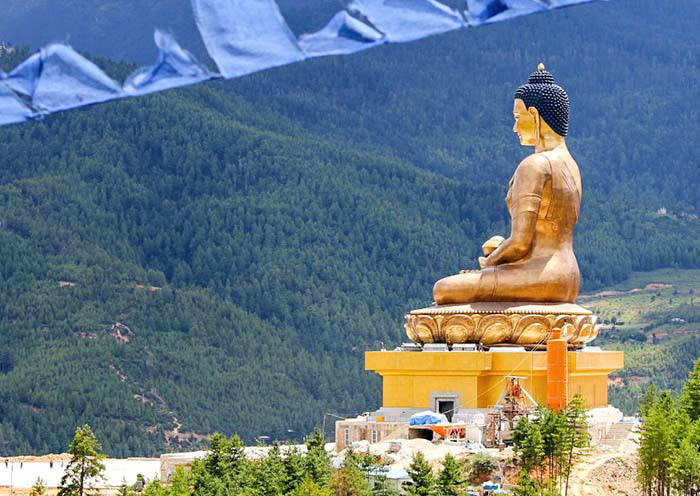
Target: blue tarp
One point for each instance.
(242, 37)
(428, 418)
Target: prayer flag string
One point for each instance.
(242, 37)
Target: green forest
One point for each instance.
(669, 447)
(218, 258)
(546, 449)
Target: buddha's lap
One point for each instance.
(509, 282)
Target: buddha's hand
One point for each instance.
(482, 262)
(490, 246)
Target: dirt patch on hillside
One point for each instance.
(616, 477)
(608, 293)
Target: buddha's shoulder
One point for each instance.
(537, 163)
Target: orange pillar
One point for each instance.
(557, 371)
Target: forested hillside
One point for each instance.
(281, 257)
(218, 258)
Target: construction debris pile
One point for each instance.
(399, 453)
(616, 477)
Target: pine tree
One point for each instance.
(527, 486)
(422, 479)
(655, 447)
(225, 468)
(124, 489)
(218, 460)
(647, 400)
(382, 487)
(295, 467)
(552, 426)
(691, 393)
(528, 445)
(180, 483)
(481, 466)
(317, 466)
(577, 437)
(685, 468)
(451, 480)
(85, 466)
(311, 488)
(270, 474)
(39, 488)
(351, 480)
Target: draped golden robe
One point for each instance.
(548, 184)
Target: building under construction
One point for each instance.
(481, 391)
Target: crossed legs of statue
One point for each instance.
(467, 287)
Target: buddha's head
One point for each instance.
(540, 107)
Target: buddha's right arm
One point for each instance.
(518, 244)
(526, 194)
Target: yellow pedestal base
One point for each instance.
(477, 379)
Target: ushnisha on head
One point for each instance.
(540, 105)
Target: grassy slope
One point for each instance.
(659, 350)
(646, 302)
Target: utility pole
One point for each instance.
(323, 424)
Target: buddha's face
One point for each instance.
(525, 123)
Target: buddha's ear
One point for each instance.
(536, 116)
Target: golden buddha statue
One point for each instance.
(536, 263)
(528, 283)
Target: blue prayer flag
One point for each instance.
(408, 20)
(12, 110)
(489, 11)
(23, 78)
(342, 35)
(175, 67)
(242, 36)
(565, 3)
(59, 78)
(245, 36)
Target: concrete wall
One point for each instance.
(350, 431)
(20, 473)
